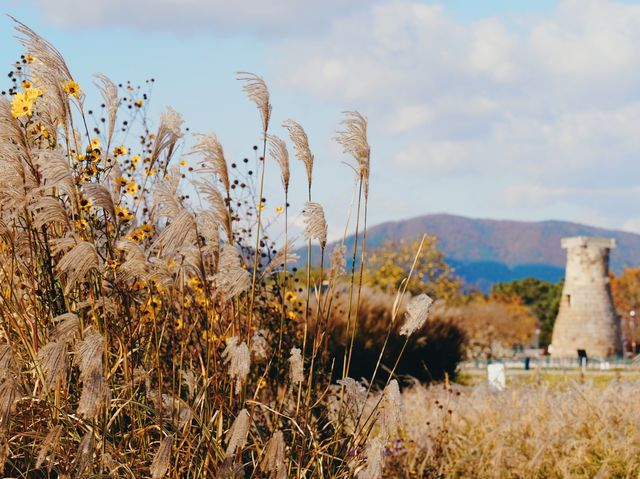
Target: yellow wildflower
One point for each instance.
(132, 187)
(135, 159)
(21, 105)
(183, 162)
(279, 209)
(95, 143)
(72, 88)
(121, 181)
(85, 204)
(120, 150)
(29, 58)
(123, 213)
(139, 103)
(290, 296)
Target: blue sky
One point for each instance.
(521, 109)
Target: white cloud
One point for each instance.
(220, 17)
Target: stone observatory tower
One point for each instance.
(586, 319)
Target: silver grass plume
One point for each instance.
(218, 213)
(109, 93)
(169, 132)
(135, 263)
(160, 464)
(8, 363)
(55, 171)
(42, 50)
(180, 230)
(374, 456)
(49, 209)
(189, 381)
(54, 363)
(257, 91)
(260, 345)
(301, 145)
(210, 149)
(101, 197)
(237, 435)
(285, 253)
(10, 394)
(354, 142)
(49, 445)
(68, 325)
(356, 395)
(231, 278)
(278, 151)
(88, 356)
(390, 418)
(166, 198)
(338, 261)
(77, 262)
(416, 315)
(238, 359)
(315, 225)
(273, 461)
(84, 456)
(296, 368)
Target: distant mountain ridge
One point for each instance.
(486, 251)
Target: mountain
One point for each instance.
(486, 251)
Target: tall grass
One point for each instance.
(148, 324)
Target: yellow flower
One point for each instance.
(135, 159)
(123, 214)
(136, 236)
(290, 296)
(81, 157)
(132, 187)
(179, 324)
(150, 172)
(112, 263)
(81, 224)
(183, 163)
(85, 204)
(29, 58)
(95, 143)
(146, 228)
(121, 181)
(120, 150)
(139, 103)
(72, 88)
(26, 84)
(21, 105)
(291, 315)
(195, 282)
(279, 209)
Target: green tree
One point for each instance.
(542, 298)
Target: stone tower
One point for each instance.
(587, 318)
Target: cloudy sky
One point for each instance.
(520, 109)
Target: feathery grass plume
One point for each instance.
(301, 145)
(374, 460)
(273, 461)
(354, 142)
(55, 171)
(88, 356)
(109, 92)
(10, 394)
(238, 358)
(356, 395)
(166, 199)
(284, 254)
(49, 209)
(173, 409)
(338, 261)
(68, 325)
(180, 230)
(260, 345)
(101, 197)
(160, 464)
(315, 226)
(296, 369)
(135, 263)
(257, 91)
(237, 435)
(209, 147)
(231, 278)
(169, 132)
(390, 418)
(77, 262)
(219, 214)
(84, 456)
(54, 363)
(417, 313)
(49, 445)
(278, 151)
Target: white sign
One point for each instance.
(496, 376)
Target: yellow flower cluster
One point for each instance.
(22, 103)
(123, 213)
(72, 88)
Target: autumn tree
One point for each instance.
(625, 290)
(389, 265)
(541, 297)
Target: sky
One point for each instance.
(520, 109)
